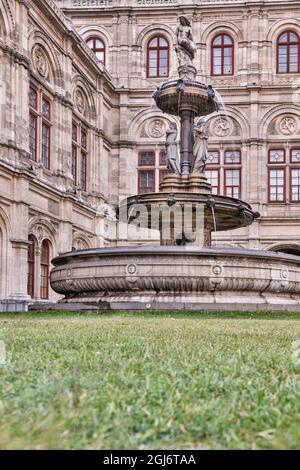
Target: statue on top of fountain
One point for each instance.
(185, 49)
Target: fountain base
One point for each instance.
(178, 278)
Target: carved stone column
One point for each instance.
(187, 140)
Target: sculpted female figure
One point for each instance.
(200, 148)
(171, 149)
(186, 47)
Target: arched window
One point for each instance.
(222, 51)
(98, 47)
(158, 57)
(31, 266)
(288, 56)
(45, 265)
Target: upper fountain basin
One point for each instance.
(175, 96)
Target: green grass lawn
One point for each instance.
(150, 381)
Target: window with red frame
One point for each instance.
(276, 184)
(31, 266)
(158, 57)
(146, 176)
(74, 151)
(232, 182)
(98, 47)
(277, 175)
(33, 122)
(213, 177)
(79, 155)
(295, 175)
(45, 269)
(288, 53)
(39, 126)
(223, 171)
(295, 184)
(222, 52)
(46, 129)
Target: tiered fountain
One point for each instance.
(184, 271)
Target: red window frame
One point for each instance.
(222, 47)
(231, 162)
(277, 168)
(149, 152)
(31, 266)
(46, 127)
(226, 170)
(74, 151)
(45, 270)
(291, 152)
(295, 201)
(33, 118)
(217, 170)
(149, 190)
(288, 44)
(274, 150)
(219, 158)
(83, 170)
(158, 50)
(96, 49)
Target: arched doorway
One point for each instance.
(45, 270)
(31, 266)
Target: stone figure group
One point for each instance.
(200, 148)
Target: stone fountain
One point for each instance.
(184, 272)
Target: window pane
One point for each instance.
(147, 159)
(163, 42)
(33, 136)
(83, 167)
(46, 107)
(74, 132)
(46, 145)
(293, 37)
(153, 42)
(227, 40)
(283, 38)
(277, 156)
(146, 181)
(100, 56)
(295, 156)
(33, 99)
(217, 41)
(213, 158)
(213, 179)
(233, 156)
(45, 262)
(74, 163)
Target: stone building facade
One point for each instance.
(79, 128)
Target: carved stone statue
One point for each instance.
(171, 149)
(185, 49)
(200, 151)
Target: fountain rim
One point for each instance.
(173, 250)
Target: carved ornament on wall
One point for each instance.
(40, 62)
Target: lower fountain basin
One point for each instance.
(176, 278)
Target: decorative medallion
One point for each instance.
(156, 128)
(131, 269)
(40, 62)
(287, 125)
(222, 127)
(284, 274)
(79, 101)
(217, 270)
